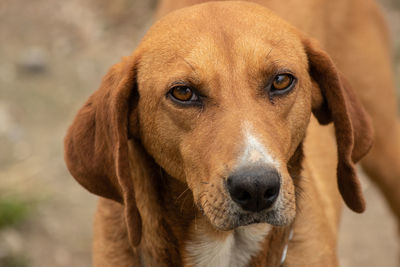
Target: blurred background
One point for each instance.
(53, 55)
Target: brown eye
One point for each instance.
(282, 82)
(184, 95)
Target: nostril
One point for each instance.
(271, 193)
(243, 196)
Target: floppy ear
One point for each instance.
(353, 129)
(96, 145)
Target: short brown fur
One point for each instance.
(160, 168)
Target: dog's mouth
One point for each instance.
(255, 194)
(226, 215)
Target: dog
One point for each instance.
(229, 137)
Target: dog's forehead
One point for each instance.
(222, 23)
(221, 36)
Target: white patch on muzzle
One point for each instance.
(254, 151)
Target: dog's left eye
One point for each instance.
(282, 83)
(183, 95)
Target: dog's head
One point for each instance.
(220, 96)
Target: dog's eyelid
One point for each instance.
(274, 70)
(280, 71)
(188, 80)
(180, 83)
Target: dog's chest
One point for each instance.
(232, 250)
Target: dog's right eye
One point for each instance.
(184, 95)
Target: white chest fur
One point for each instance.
(232, 250)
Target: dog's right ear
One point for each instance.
(96, 145)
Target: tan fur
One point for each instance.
(161, 168)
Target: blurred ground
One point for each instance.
(52, 56)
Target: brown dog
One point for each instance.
(202, 144)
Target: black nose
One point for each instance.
(254, 188)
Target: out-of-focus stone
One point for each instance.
(33, 60)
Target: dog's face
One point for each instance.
(231, 97)
(220, 96)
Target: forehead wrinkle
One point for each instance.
(190, 65)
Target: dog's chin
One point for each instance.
(230, 221)
(225, 215)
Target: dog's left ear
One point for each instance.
(353, 129)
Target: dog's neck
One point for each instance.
(209, 247)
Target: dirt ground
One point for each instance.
(53, 54)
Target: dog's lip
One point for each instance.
(240, 223)
(244, 218)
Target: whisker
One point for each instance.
(183, 203)
(181, 194)
(202, 194)
(195, 221)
